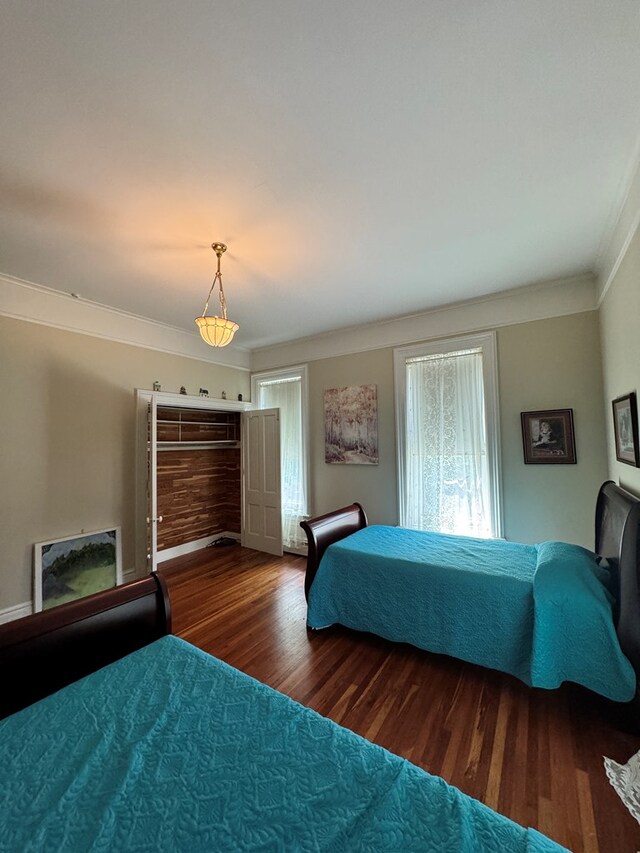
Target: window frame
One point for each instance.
(297, 371)
(486, 341)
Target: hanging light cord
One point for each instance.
(217, 277)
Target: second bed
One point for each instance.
(544, 613)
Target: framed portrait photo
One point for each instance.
(625, 429)
(548, 437)
(75, 566)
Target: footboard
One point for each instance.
(42, 653)
(323, 530)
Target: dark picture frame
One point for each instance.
(625, 429)
(548, 437)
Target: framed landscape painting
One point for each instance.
(625, 429)
(351, 425)
(70, 568)
(548, 437)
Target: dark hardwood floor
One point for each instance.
(534, 755)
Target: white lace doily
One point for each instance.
(625, 779)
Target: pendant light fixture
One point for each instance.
(217, 331)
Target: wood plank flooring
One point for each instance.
(534, 755)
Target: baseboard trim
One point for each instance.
(196, 545)
(16, 612)
(298, 550)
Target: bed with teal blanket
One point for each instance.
(171, 749)
(545, 613)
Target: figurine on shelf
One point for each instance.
(204, 392)
(224, 395)
(183, 390)
(157, 386)
(240, 397)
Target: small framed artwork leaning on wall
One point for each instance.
(548, 437)
(625, 429)
(70, 568)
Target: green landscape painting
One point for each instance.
(73, 568)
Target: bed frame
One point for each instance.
(42, 653)
(324, 530)
(617, 537)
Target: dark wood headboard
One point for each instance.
(42, 653)
(324, 529)
(618, 540)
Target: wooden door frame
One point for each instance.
(143, 399)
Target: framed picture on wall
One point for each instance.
(625, 429)
(75, 566)
(548, 437)
(351, 425)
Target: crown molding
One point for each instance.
(24, 300)
(519, 305)
(621, 231)
(33, 303)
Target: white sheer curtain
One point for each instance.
(448, 487)
(286, 394)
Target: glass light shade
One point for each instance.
(216, 331)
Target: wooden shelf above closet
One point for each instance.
(196, 445)
(181, 427)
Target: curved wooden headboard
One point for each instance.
(42, 653)
(618, 540)
(324, 529)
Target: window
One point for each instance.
(448, 444)
(287, 391)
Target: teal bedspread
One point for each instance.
(539, 612)
(170, 749)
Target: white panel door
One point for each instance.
(262, 523)
(146, 496)
(152, 518)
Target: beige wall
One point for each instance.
(552, 364)
(619, 330)
(374, 486)
(68, 436)
(543, 364)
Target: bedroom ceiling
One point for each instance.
(360, 159)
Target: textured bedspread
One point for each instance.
(539, 612)
(170, 749)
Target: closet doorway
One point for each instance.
(206, 469)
